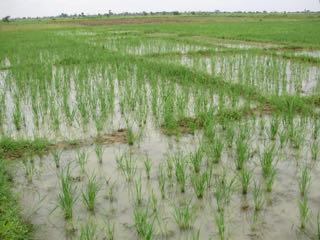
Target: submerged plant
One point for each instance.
(90, 194)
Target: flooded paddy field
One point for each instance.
(122, 133)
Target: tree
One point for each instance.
(6, 19)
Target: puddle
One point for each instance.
(279, 218)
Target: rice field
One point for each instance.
(120, 132)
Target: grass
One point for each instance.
(12, 225)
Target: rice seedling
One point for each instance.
(283, 138)
(180, 171)
(270, 180)
(304, 181)
(220, 223)
(90, 194)
(223, 189)
(169, 168)
(110, 192)
(29, 168)
(315, 149)
(138, 191)
(130, 136)
(304, 211)
(82, 159)
(217, 150)
(245, 178)
(127, 165)
(162, 181)
(274, 127)
(267, 162)
(66, 199)
(110, 231)
(56, 158)
(88, 232)
(196, 160)
(184, 215)
(258, 198)
(242, 153)
(144, 226)
(147, 166)
(199, 183)
(99, 153)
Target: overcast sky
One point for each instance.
(33, 8)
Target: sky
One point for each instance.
(40, 8)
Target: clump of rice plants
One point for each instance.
(245, 178)
(147, 166)
(66, 199)
(138, 191)
(258, 198)
(127, 165)
(242, 153)
(143, 224)
(196, 160)
(180, 171)
(90, 194)
(315, 149)
(304, 211)
(162, 181)
(99, 153)
(184, 215)
(223, 190)
(274, 127)
(199, 183)
(56, 158)
(29, 168)
(304, 181)
(88, 232)
(220, 223)
(110, 231)
(82, 158)
(267, 162)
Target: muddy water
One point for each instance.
(279, 218)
